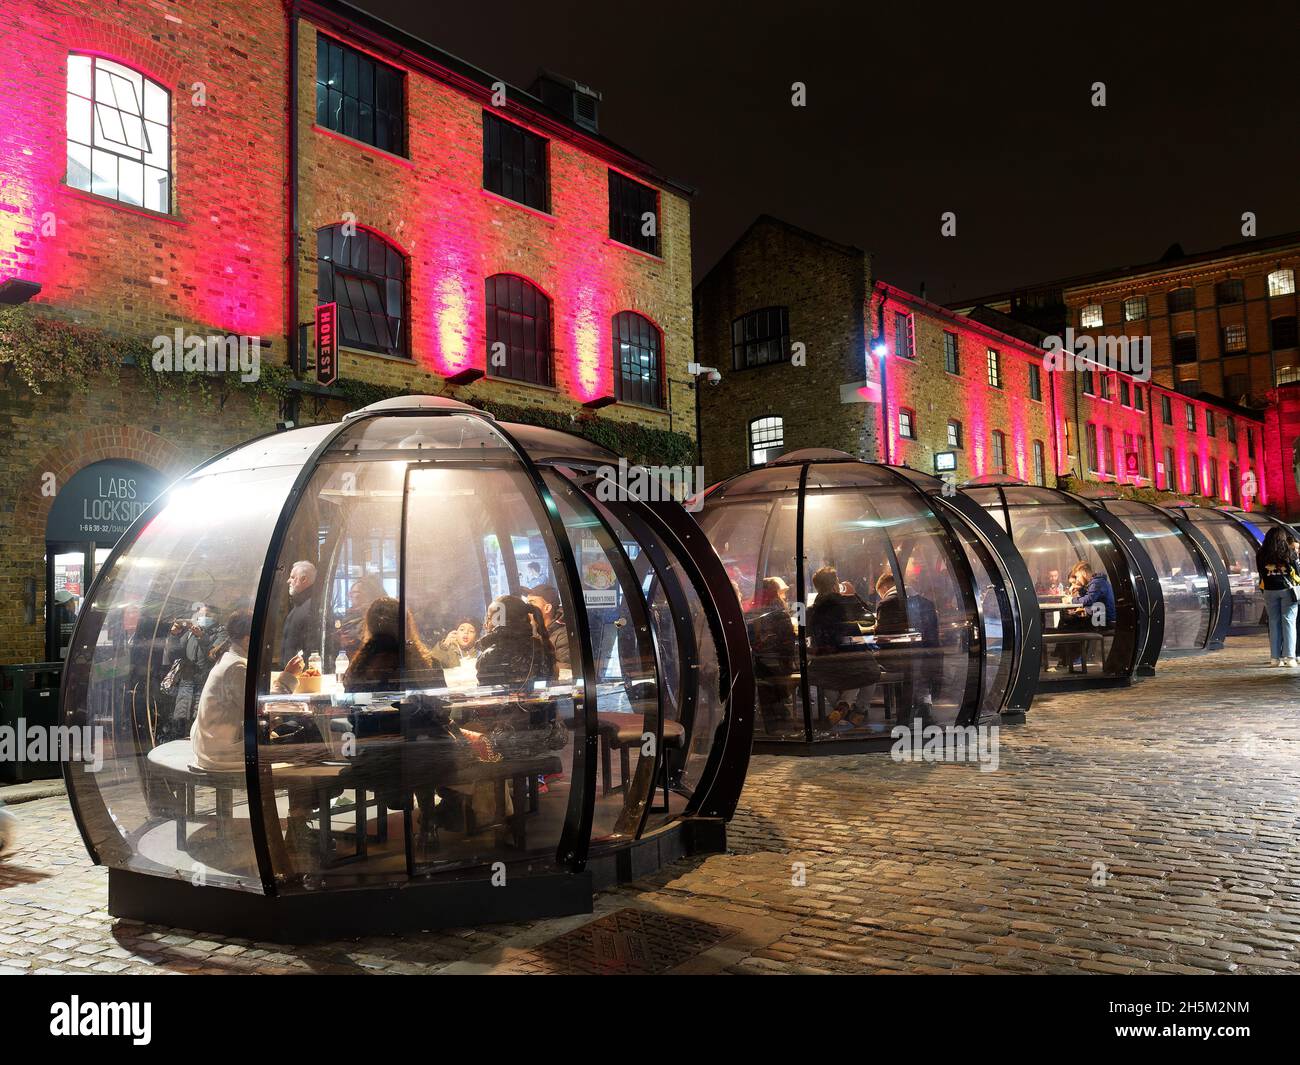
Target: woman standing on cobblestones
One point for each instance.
(1280, 583)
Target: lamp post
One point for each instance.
(881, 351)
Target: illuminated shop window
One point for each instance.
(118, 134)
(514, 163)
(766, 440)
(360, 97)
(1281, 282)
(1090, 317)
(366, 277)
(1135, 308)
(518, 330)
(760, 338)
(637, 361)
(633, 213)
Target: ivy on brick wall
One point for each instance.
(48, 352)
(1143, 493)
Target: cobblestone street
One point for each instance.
(1152, 829)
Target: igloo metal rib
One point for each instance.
(597, 722)
(875, 598)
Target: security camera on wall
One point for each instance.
(709, 373)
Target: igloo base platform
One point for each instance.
(308, 916)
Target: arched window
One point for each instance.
(119, 134)
(637, 360)
(366, 277)
(518, 319)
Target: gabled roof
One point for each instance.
(780, 223)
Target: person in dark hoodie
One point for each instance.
(547, 600)
(515, 648)
(1089, 590)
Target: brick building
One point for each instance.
(962, 395)
(478, 240)
(1221, 322)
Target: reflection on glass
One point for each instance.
(1236, 547)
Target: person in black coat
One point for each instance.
(302, 624)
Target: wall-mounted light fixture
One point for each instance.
(15, 291)
(465, 377)
(599, 401)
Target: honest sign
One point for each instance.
(327, 343)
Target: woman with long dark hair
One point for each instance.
(1280, 583)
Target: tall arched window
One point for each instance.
(366, 277)
(519, 320)
(637, 360)
(119, 134)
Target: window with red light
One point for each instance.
(637, 360)
(633, 213)
(118, 130)
(515, 163)
(999, 457)
(1108, 435)
(1171, 471)
(907, 423)
(1094, 463)
(366, 277)
(518, 331)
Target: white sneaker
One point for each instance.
(1289, 662)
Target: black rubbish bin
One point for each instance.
(29, 699)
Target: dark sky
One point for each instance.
(912, 111)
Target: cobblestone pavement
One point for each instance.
(1152, 829)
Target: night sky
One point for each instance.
(912, 111)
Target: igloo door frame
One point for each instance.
(467, 895)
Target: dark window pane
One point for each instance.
(365, 275)
(346, 95)
(514, 163)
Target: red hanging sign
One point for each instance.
(327, 343)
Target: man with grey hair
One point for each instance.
(303, 624)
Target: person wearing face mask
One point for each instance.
(189, 653)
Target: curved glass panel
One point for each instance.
(552, 446)
(903, 620)
(623, 654)
(1237, 548)
(1184, 576)
(436, 730)
(159, 672)
(1081, 575)
(763, 479)
(291, 448)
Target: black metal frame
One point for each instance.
(1140, 575)
(1208, 558)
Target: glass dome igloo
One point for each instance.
(1236, 535)
(1191, 576)
(1118, 631)
(875, 597)
(408, 670)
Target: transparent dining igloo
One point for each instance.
(875, 597)
(413, 669)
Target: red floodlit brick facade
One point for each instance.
(221, 258)
(432, 205)
(899, 379)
